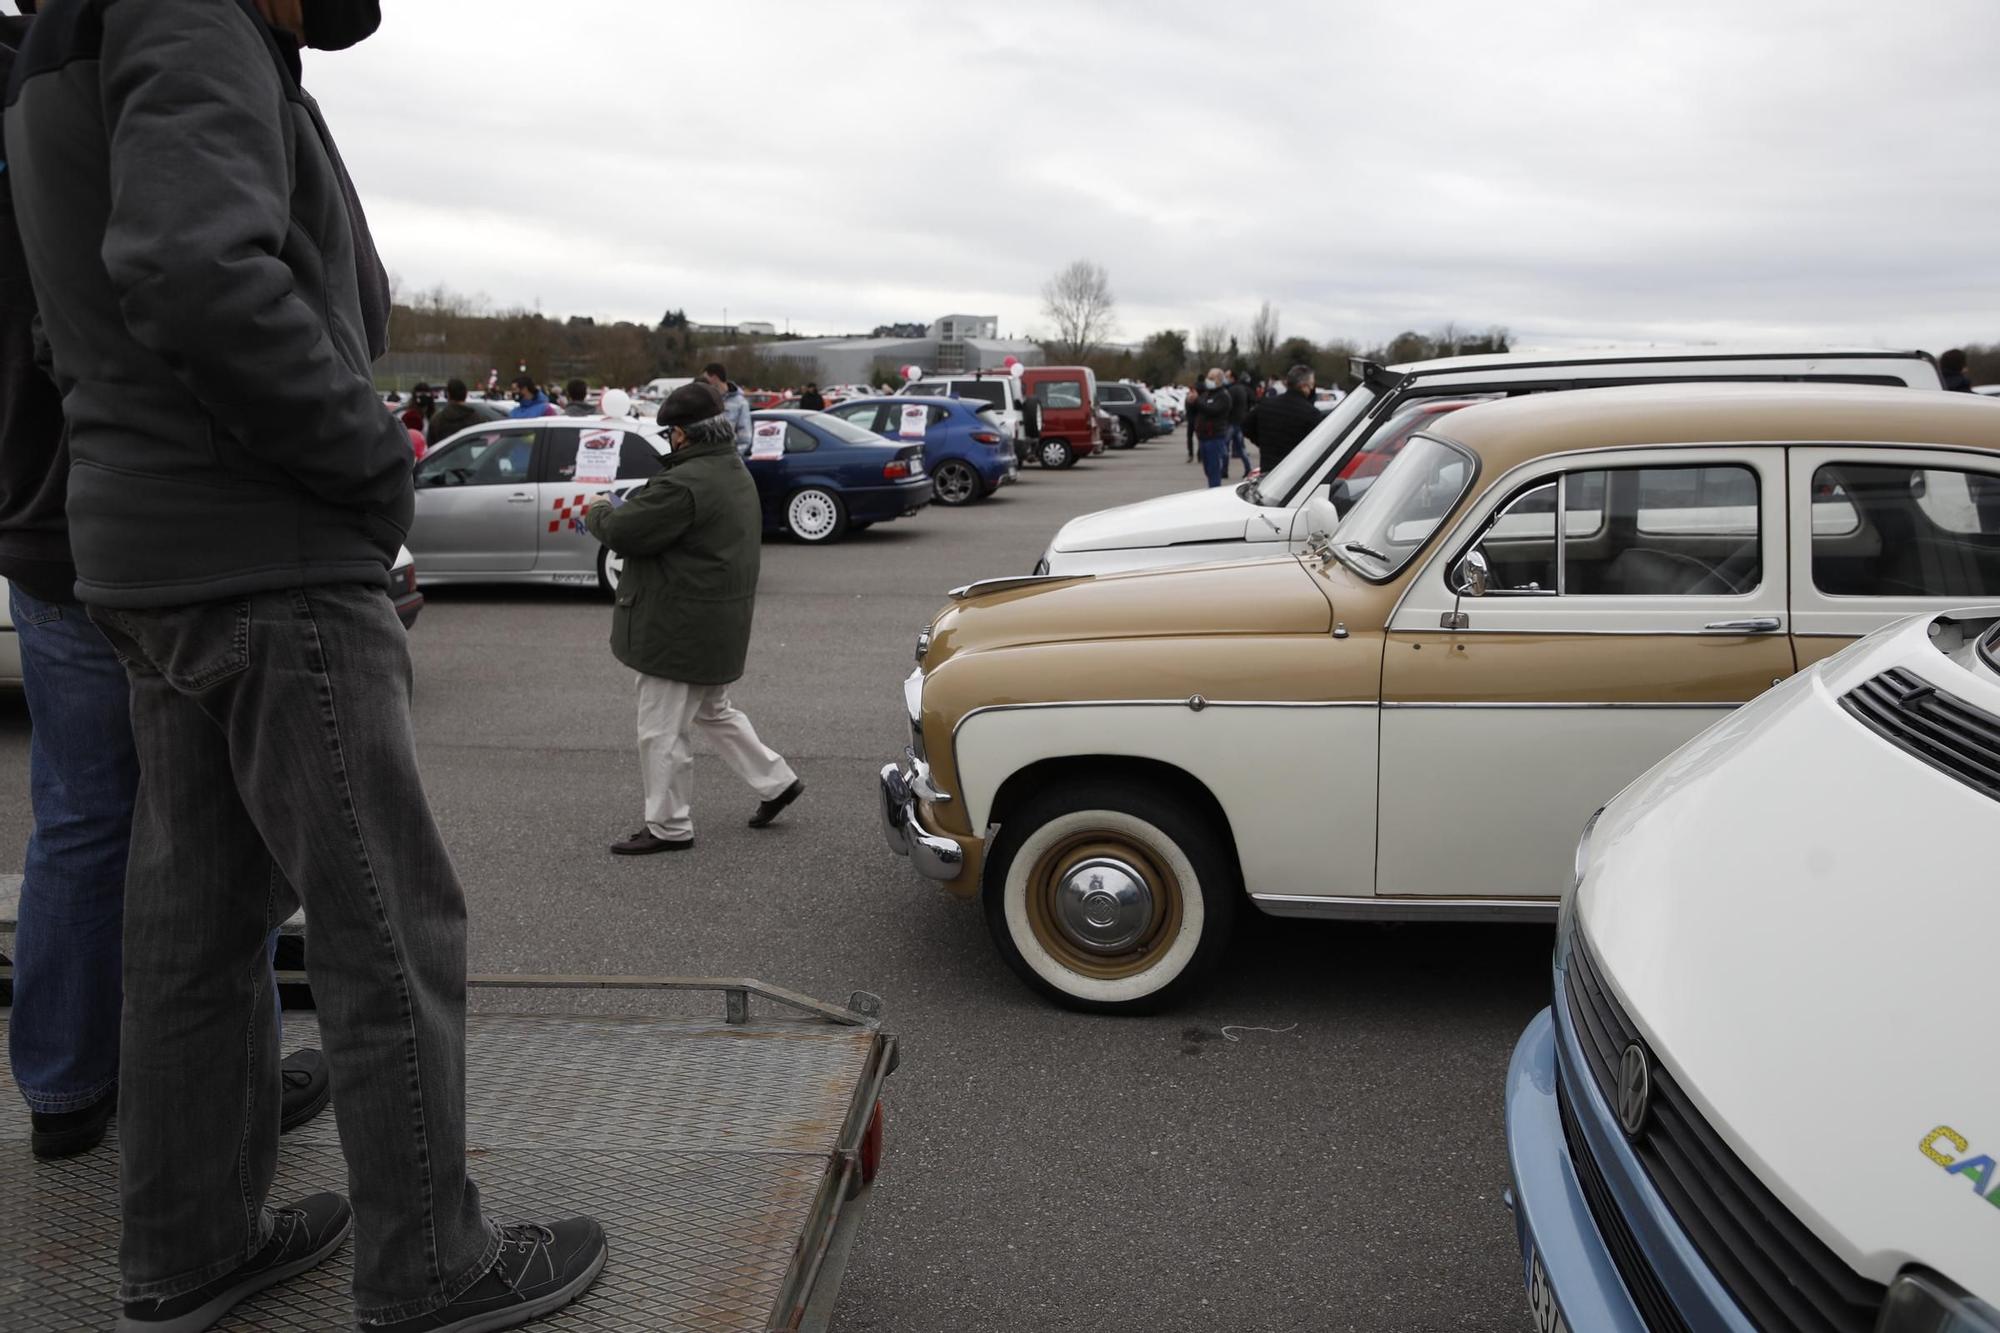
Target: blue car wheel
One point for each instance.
(956, 482)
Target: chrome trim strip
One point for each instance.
(1563, 704)
(983, 586)
(1180, 703)
(1407, 909)
(1572, 600)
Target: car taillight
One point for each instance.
(1145, 409)
(985, 437)
(897, 469)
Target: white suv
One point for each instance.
(1266, 515)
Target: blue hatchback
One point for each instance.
(820, 477)
(967, 451)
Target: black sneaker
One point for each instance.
(301, 1236)
(644, 843)
(68, 1133)
(768, 810)
(308, 1088)
(540, 1270)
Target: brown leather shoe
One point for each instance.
(643, 843)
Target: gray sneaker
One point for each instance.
(301, 1236)
(540, 1270)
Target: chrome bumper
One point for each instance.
(934, 857)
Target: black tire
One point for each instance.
(815, 515)
(1128, 436)
(1055, 453)
(609, 568)
(1147, 837)
(957, 482)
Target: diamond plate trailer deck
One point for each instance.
(724, 1158)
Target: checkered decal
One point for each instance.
(569, 512)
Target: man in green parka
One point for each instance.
(691, 538)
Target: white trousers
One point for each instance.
(669, 713)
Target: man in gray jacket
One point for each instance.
(213, 302)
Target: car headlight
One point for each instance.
(1921, 1302)
(1566, 914)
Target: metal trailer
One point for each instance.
(728, 1158)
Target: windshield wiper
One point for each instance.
(1368, 551)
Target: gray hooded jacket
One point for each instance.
(213, 302)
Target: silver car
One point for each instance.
(499, 503)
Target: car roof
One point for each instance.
(1621, 355)
(939, 399)
(639, 424)
(1511, 431)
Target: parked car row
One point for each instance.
(1718, 627)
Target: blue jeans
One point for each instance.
(1237, 449)
(277, 765)
(82, 775)
(1215, 458)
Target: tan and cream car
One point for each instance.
(1535, 601)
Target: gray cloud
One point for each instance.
(1578, 171)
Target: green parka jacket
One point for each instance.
(692, 542)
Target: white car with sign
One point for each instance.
(502, 502)
(1766, 1096)
(1266, 515)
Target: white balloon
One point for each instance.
(912, 372)
(1016, 369)
(616, 403)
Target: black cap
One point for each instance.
(690, 403)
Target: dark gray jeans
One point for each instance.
(276, 758)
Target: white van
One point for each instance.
(1265, 515)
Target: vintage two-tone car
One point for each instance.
(1535, 601)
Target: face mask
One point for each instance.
(335, 25)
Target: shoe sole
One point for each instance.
(207, 1316)
(528, 1311)
(309, 1110)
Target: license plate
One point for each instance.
(1542, 1306)
(916, 469)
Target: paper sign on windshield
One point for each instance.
(597, 457)
(767, 439)
(916, 420)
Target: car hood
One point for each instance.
(1799, 915)
(1216, 514)
(1262, 597)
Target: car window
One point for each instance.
(1890, 530)
(861, 414)
(923, 387)
(558, 453)
(1114, 393)
(637, 458)
(799, 440)
(491, 458)
(1388, 526)
(846, 431)
(1059, 393)
(1687, 531)
(992, 392)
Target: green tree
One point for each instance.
(1162, 357)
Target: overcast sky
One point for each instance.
(1582, 173)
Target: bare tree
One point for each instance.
(1264, 338)
(1078, 301)
(1211, 344)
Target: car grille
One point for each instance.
(1783, 1277)
(1640, 1280)
(1945, 732)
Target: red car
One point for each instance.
(1062, 414)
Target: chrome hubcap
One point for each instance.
(1052, 455)
(1104, 905)
(955, 482)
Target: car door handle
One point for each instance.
(1754, 625)
(517, 498)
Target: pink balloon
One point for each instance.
(1011, 362)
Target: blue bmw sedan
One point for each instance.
(820, 477)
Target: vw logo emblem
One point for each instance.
(1635, 1089)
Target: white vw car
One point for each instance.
(1267, 515)
(1766, 1095)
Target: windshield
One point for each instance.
(1277, 486)
(1390, 524)
(1989, 648)
(845, 431)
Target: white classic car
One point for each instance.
(1765, 1095)
(1267, 515)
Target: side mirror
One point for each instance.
(1473, 576)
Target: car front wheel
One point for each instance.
(1126, 436)
(1110, 897)
(1057, 453)
(955, 483)
(816, 515)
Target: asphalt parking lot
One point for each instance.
(1315, 1143)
